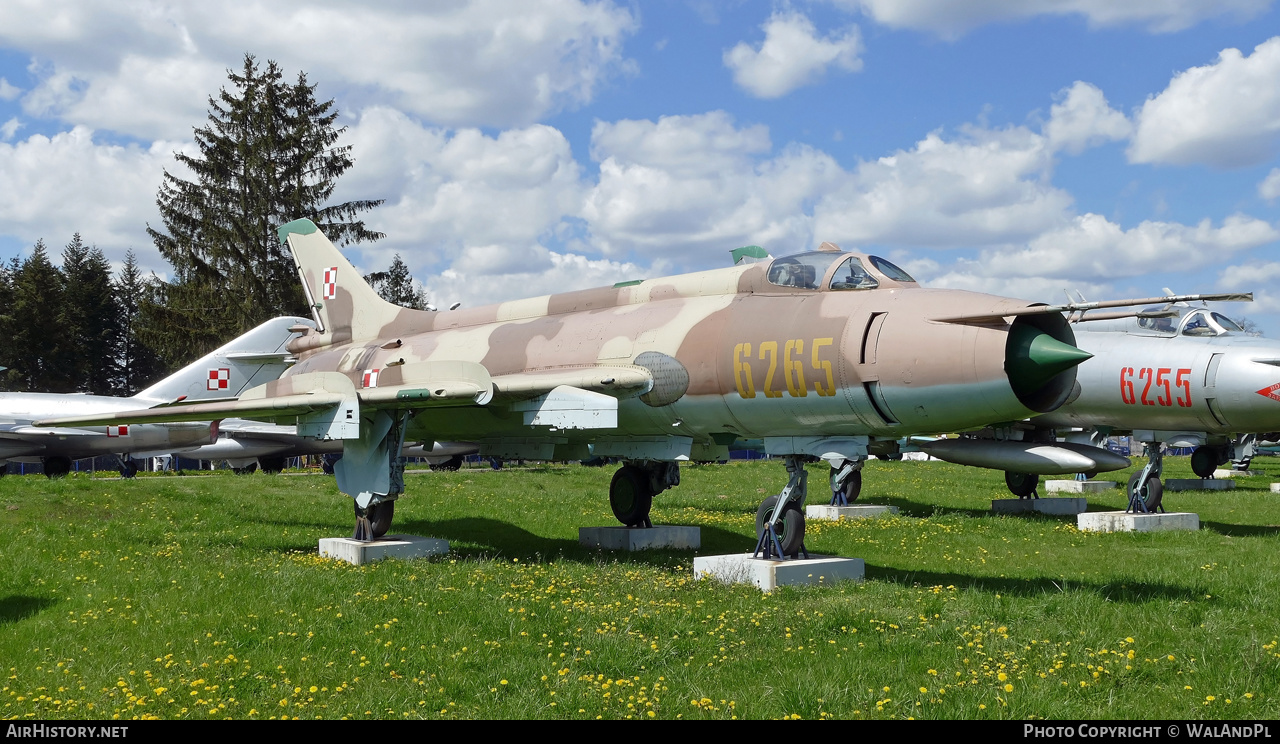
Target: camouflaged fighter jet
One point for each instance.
(246, 362)
(1175, 375)
(826, 354)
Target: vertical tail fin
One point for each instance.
(346, 308)
(256, 358)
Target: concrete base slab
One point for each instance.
(855, 511)
(1199, 484)
(1075, 486)
(741, 568)
(389, 546)
(1228, 473)
(1275, 488)
(641, 538)
(1042, 506)
(1117, 521)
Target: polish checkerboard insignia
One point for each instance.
(329, 289)
(370, 378)
(118, 431)
(219, 379)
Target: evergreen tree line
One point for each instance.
(266, 155)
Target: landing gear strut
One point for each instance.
(846, 483)
(371, 471)
(635, 484)
(1145, 489)
(780, 519)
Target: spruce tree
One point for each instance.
(89, 318)
(396, 285)
(10, 376)
(38, 346)
(267, 155)
(136, 364)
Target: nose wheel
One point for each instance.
(1145, 489)
(780, 519)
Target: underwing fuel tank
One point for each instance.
(1024, 457)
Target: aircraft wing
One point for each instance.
(323, 402)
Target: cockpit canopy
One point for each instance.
(807, 271)
(1197, 322)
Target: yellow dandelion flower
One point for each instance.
(1008, 688)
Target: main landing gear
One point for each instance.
(56, 466)
(127, 467)
(1206, 458)
(780, 519)
(1022, 485)
(635, 484)
(1145, 490)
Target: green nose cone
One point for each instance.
(1033, 357)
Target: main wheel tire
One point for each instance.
(790, 526)
(128, 469)
(630, 496)
(1150, 493)
(450, 465)
(852, 487)
(1021, 485)
(271, 465)
(893, 457)
(380, 517)
(1204, 460)
(56, 466)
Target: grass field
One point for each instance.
(204, 597)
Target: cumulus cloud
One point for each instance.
(791, 55)
(951, 19)
(8, 91)
(986, 186)
(685, 185)
(1081, 119)
(1269, 188)
(1226, 114)
(51, 187)
(1260, 277)
(447, 190)
(9, 128)
(488, 62)
(534, 271)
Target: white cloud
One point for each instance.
(1081, 119)
(951, 19)
(9, 129)
(987, 186)
(791, 55)
(486, 62)
(1260, 277)
(1225, 115)
(1091, 248)
(695, 187)
(52, 187)
(530, 271)
(8, 91)
(450, 190)
(1269, 188)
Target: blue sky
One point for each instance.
(1018, 147)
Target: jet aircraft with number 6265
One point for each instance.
(826, 354)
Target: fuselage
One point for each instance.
(765, 350)
(1184, 374)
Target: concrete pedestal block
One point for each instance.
(1199, 484)
(641, 538)
(1275, 488)
(1075, 486)
(741, 568)
(1117, 521)
(1042, 506)
(1229, 473)
(856, 511)
(389, 546)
